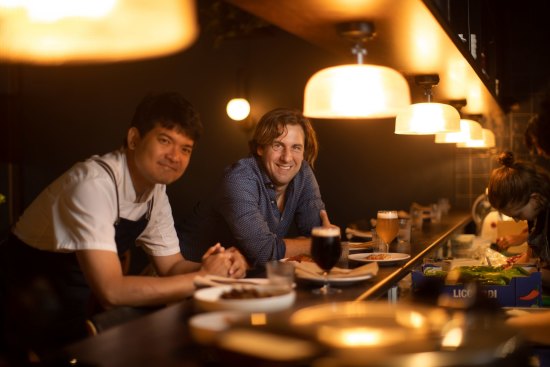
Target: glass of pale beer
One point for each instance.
(387, 227)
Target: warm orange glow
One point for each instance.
(424, 43)
(427, 118)
(356, 91)
(469, 130)
(413, 319)
(453, 338)
(488, 141)
(54, 10)
(360, 336)
(58, 31)
(475, 99)
(258, 319)
(457, 78)
(409, 39)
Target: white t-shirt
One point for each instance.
(78, 211)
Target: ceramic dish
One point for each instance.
(339, 280)
(209, 299)
(393, 257)
(205, 327)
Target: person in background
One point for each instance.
(521, 190)
(537, 141)
(537, 135)
(66, 251)
(262, 196)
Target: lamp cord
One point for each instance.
(428, 93)
(360, 51)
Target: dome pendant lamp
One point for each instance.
(486, 142)
(469, 130)
(359, 90)
(84, 31)
(428, 117)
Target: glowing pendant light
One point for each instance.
(487, 141)
(58, 31)
(469, 130)
(428, 117)
(356, 90)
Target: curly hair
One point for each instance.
(273, 124)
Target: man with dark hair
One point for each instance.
(262, 196)
(69, 243)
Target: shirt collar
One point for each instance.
(129, 192)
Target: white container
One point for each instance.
(461, 245)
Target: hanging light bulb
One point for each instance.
(469, 130)
(427, 117)
(487, 141)
(238, 109)
(356, 90)
(59, 31)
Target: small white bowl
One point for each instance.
(205, 327)
(209, 299)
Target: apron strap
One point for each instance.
(110, 172)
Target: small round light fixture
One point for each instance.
(238, 109)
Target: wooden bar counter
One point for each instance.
(162, 338)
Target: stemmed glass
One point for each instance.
(387, 227)
(326, 249)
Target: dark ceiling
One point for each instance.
(512, 35)
(525, 60)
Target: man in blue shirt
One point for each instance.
(262, 196)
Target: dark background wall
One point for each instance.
(66, 113)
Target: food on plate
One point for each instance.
(250, 293)
(300, 258)
(378, 257)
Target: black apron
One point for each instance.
(44, 295)
(539, 236)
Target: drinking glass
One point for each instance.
(387, 227)
(325, 251)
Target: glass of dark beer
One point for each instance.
(325, 251)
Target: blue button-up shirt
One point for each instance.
(243, 213)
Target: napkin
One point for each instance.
(308, 269)
(215, 281)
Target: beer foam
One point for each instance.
(387, 214)
(325, 231)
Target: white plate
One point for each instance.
(209, 300)
(340, 280)
(214, 280)
(394, 256)
(205, 327)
